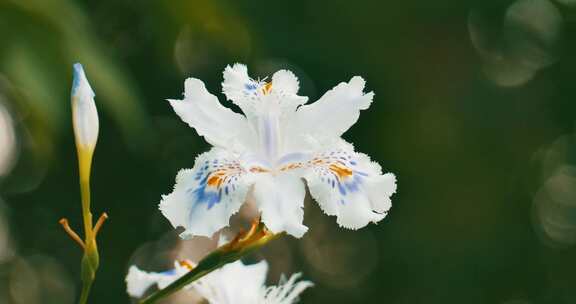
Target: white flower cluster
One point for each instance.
(235, 283)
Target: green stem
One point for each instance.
(90, 260)
(211, 262)
(85, 292)
(84, 165)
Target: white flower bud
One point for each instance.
(84, 114)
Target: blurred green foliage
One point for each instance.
(467, 151)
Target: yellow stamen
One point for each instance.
(267, 88)
(258, 170)
(341, 171)
(185, 264)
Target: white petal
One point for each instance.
(351, 187)
(84, 113)
(138, 281)
(285, 88)
(219, 125)
(280, 198)
(255, 97)
(236, 82)
(286, 82)
(205, 196)
(244, 91)
(287, 292)
(334, 113)
(234, 283)
(168, 277)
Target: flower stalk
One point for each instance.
(243, 244)
(85, 123)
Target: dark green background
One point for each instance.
(464, 149)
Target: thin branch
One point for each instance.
(99, 223)
(71, 233)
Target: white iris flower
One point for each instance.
(234, 283)
(268, 152)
